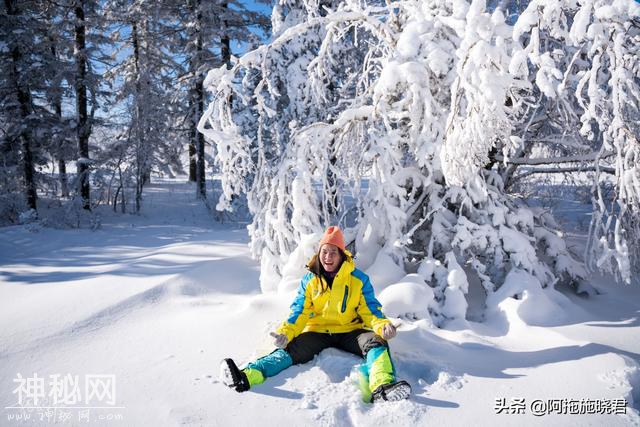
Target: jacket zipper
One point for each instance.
(344, 299)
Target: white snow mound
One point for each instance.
(384, 272)
(537, 306)
(408, 298)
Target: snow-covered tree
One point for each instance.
(584, 60)
(19, 61)
(62, 136)
(130, 69)
(162, 50)
(208, 29)
(143, 81)
(38, 53)
(415, 128)
(269, 101)
(30, 90)
(77, 33)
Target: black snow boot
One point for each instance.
(233, 377)
(391, 392)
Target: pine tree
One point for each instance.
(211, 29)
(26, 70)
(80, 84)
(18, 73)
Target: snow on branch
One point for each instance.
(399, 122)
(604, 169)
(553, 160)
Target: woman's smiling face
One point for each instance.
(330, 257)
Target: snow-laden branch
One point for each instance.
(591, 157)
(343, 119)
(604, 169)
(371, 23)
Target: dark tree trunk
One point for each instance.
(192, 155)
(225, 42)
(192, 132)
(31, 194)
(60, 147)
(200, 163)
(24, 100)
(201, 191)
(139, 118)
(81, 105)
(64, 181)
(192, 135)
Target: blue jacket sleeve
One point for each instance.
(300, 310)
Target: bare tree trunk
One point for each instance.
(115, 198)
(201, 190)
(64, 181)
(31, 194)
(225, 42)
(61, 141)
(192, 138)
(200, 163)
(123, 203)
(192, 154)
(24, 100)
(139, 117)
(81, 105)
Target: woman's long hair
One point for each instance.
(315, 266)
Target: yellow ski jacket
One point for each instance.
(348, 305)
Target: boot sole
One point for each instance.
(232, 377)
(226, 377)
(401, 392)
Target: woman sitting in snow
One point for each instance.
(335, 307)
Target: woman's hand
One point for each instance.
(279, 340)
(388, 331)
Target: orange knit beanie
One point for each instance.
(333, 236)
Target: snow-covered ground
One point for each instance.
(155, 301)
